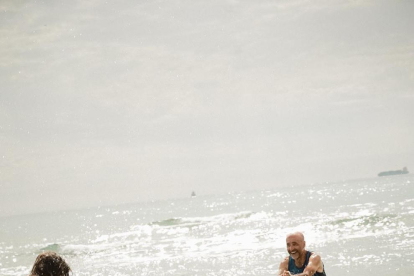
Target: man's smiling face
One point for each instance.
(295, 245)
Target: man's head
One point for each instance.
(50, 264)
(295, 244)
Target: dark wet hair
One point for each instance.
(50, 264)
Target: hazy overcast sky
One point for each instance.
(106, 102)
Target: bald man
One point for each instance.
(300, 261)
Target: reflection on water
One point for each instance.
(363, 227)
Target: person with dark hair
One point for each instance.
(300, 261)
(50, 264)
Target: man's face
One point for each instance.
(295, 245)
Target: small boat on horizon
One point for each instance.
(193, 194)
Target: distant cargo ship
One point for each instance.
(403, 171)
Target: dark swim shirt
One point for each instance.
(296, 270)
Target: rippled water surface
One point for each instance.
(362, 227)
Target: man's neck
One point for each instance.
(301, 260)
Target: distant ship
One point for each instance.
(193, 194)
(403, 171)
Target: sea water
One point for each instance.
(360, 227)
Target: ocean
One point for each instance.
(359, 227)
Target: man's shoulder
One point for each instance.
(284, 264)
(316, 259)
(286, 259)
(314, 254)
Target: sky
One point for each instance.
(112, 102)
